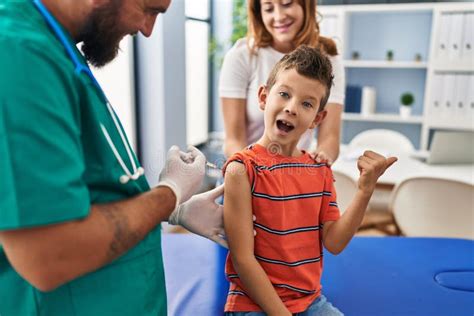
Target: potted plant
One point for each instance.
(389, 55)
(406, 99)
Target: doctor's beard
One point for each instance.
(100, 36)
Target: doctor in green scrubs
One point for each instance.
(79, 225)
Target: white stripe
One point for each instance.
(288, 197)
(290, 264)
(286, 232)
(294, 288)
(289, 165)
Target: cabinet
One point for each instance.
(432, 58)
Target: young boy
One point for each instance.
(280, 206)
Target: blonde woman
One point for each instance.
(276, 27)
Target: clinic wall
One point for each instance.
(222, 31)
(394, 80)
(117, 81)
(161, 90)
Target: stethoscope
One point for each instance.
(81, 67)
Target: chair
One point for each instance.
(346, 188)
(433, 207)
(386, 142)
(383, 140)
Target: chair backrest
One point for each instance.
(346, 188)
(433, 207)
(383, 140)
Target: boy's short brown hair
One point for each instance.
(309, 62)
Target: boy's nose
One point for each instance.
(291, 108)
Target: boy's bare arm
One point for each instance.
(337, 234)
(238, 225)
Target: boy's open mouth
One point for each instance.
(284, 126)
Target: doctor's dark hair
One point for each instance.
(308, 62)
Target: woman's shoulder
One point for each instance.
(238, 55)
(240, 48)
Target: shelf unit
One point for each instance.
(408, 30)
(385, 64)
(390, 118)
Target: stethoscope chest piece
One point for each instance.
(125, 178)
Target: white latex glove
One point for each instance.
(201, 215)
(183, 172)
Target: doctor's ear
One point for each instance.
(262, 96)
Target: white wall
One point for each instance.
(222, 24)
(161, 90)
(117, 81)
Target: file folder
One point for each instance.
(455, 36)
(470, 100)
(447, 99)
(434, 107)
(353, 99)
(468, 38)
(443, 36)
(461, 113)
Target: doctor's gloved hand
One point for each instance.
(201, 215)
(183, 172)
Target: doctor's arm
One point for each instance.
(239, 228)
(49, 256)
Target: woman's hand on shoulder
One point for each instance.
(321, 157)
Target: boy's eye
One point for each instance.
(284, 94)
(307, 105)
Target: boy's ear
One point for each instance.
(318, 119)
(262, 97)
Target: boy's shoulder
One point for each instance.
(245, 156)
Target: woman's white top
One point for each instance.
(242, 73)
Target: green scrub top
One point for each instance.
(54, 163)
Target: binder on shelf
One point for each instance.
(434, 107)
(470, 101)
(353, 99)
(368, 101)
(455, 36)
(447, 99)
(443, 36)
(461, 113)
(468, 38)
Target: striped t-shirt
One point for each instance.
(292, 197)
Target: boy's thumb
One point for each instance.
(391, 161)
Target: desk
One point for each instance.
(406, 167)
(374, 276)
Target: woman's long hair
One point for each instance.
(258, 36)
